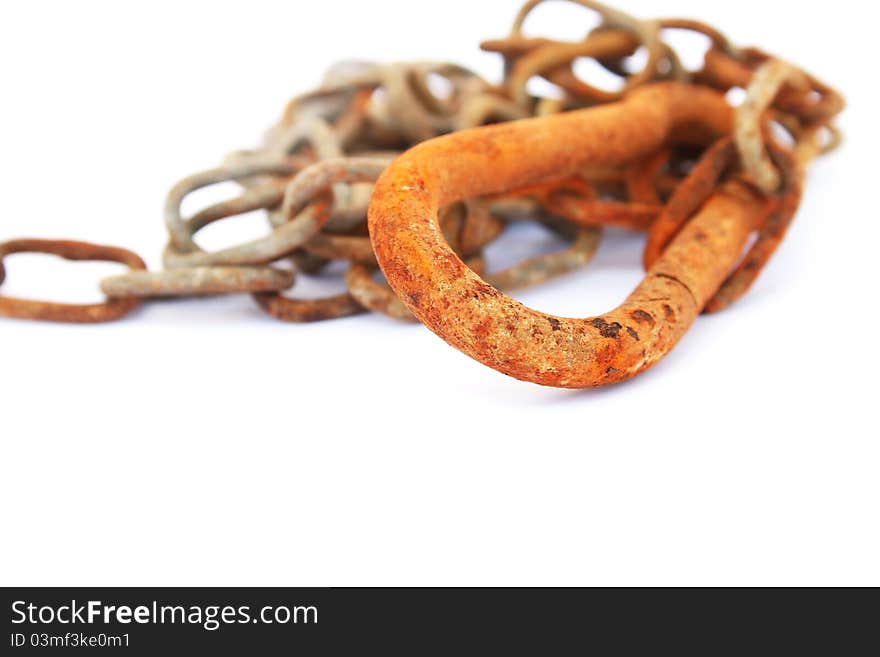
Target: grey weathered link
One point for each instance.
(765, 84)
(409, 106)
(313, 180)
(319, 134)
(180, 233)
(304, 218)
(263, 197)
(647, 31)
(542, 268)
(197, 281)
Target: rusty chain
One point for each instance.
(314, 174)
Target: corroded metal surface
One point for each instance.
(197, 281)
(478, 319)
(64, 312)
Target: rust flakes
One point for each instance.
(642, 317)
(606, 330)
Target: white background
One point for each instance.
(203, 443)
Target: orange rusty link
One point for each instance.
(641, 178)
(308, 310)
(688, 197)
(576, 200)
(63, 312)
(500, 332)
(770, 232)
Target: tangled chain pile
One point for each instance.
(314, 173)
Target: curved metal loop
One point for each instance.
(718, 39)
(589, 210)
(688, 198)
(475, 317)
(181, 232)
(584, 241)
(411, 108)
(647, 32)
(554, 61)
(326, 144)
(63, 312)
(303, 215)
